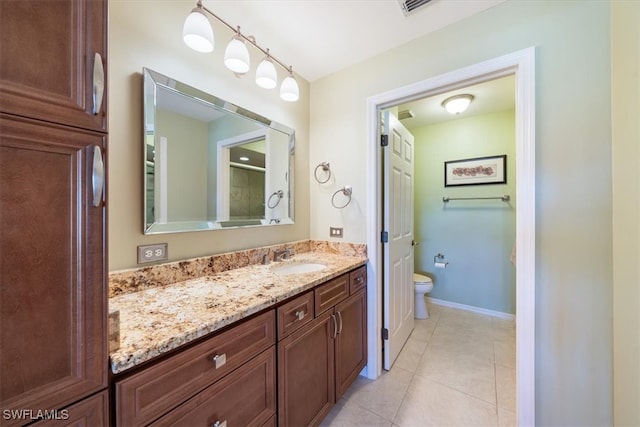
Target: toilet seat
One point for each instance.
(420, 279)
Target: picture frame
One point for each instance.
(476, 171)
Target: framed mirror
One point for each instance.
(210, 164)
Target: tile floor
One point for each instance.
(456, 369)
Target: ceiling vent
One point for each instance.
(410, 6)
(405, 114)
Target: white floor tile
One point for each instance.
(456, 369)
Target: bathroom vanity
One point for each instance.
(257, 345)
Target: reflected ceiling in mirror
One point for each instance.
(209, 164)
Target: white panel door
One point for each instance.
(398, 252)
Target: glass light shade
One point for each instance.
(197, 32)
(236, 56)
(289, 90)
(457, 104)
(266, 75)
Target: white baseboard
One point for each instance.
(471, 308)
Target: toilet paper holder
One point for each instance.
(439, 262)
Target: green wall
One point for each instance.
(476, 236)
(573, 237)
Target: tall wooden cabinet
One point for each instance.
(53, 137)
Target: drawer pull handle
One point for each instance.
(300, 315)
(359, 279)
(340, 327)
(220, 360)
(335, 326)
(220, 423)
(98, 83)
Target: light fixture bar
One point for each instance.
(251, 40)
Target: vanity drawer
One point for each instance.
(331, 293)
(294, 314)
(246, 397)
(146, 395)
(357, 279)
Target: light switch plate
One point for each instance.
(335, 231)
(152, 253)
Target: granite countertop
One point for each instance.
(157, 320)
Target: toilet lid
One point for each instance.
(419, 278)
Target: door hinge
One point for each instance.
(384, 140)
(385, 334)
(384, 237)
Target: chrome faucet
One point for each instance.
(281, 254)
(265, 259)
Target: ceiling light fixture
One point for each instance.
(458, 103)
(198, 35)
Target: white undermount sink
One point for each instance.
(297, 268)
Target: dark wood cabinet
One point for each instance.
(306, 373)
(90, 412)
(351, 340)
(245, 397)
(148, 394)
(53, 296)
(320, 360)
(49, 60)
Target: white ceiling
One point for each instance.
(320, 37)
(489, 97)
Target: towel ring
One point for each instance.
(279, 194)
(326, 169)
(347, 191)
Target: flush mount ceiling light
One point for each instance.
(458, 103)
(198, 35)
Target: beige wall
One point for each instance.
(573, 167)
(626, 211)
(148, 34)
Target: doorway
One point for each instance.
(522, 65)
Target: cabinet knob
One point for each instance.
(300, 314)
(359, 279)
(220, 424)
(219, 360)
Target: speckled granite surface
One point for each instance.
(158, 319)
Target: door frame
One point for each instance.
(522, 64)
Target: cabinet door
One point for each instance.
(306, 374)
(351, 342)
(92, 411)
(48, 50)
(53, 295)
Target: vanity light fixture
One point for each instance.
(197, 33)
(236, 55)
(289, 88)
(266, 75)
(458, 103)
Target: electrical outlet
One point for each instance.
(152, 253)
(335, 231)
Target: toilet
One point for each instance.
(423, 285)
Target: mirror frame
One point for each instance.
(151, 81)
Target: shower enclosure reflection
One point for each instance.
(210, 164)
